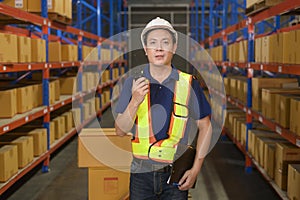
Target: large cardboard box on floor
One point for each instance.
(24, 145)
(282, 111)
(102, 148)
(107, 183)
(269, 101)
(259, 83)
(38, 50)
(9, 48)
(8, 161)
(285, 153)
(294, 116)
(293, 191)
(9, 99)
(24, 49)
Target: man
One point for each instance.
(158, 108)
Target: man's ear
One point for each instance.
(174, 48)
(145, 51)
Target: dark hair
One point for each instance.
(147, 33)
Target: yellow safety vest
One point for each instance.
(164, 150)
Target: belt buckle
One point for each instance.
(159, 168)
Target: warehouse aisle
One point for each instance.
(221, 178)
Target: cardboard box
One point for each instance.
(258, 50)
(93, 145)
(24, 145)
(55, 52)
(294, 116)
(290, 47)
(268, 99)
(37, 95)
(259, 83)
(97, 103)
(285, 153)
(69, 52)
(68, 85)
(293, 186)
(20, 4)
(255, 126)
(76, 113)
(68, 121)
(54, 6)
(51, 92)
(8, 161)
(252, 135)
(243, 51)
(24, 49)
(52, 132)
(9, 99)
(282, 111)
(68, 8)
(38, 50)
(9, 48)
(24, 99)
(107, 183)
(242, 89)
(269, 159)
(59, 127)
(272, 48)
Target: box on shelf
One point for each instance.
(93, 143)
(86, 111)
(9, 99)
(68, 121)
(97, 103)
(8, 161)
(272, 48)
(39, 136)
(282, 111)
(51, 92)
(69, 52)
(243, 51)
(290, 46)
(293, 186)
(20, 4)
(259, 83)
(258, 49)
(55, 52)
(68, 8)
(107, 183)
(68, 85)
(269, 159)
(294, 115)
(24, 99)
(285, 153)
(24, 49)
(255, 126)
(38, 50)
(54, 6)
(268, 99)
(59, 126)
(76, 113)
(37, 95)
(9, 48)
(24, 145)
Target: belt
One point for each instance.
(154, 167)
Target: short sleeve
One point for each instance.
(199, 106)
(125, 96)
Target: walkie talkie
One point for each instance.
(138, 74)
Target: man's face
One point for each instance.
(160, 47)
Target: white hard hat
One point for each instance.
(156, 24)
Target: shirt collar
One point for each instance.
(174, 74)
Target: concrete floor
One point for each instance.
(221, 178)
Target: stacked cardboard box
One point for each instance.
(55, 52)
(24, 49)
(294, 116)
(38, 50)
(68, 85)
(108, 173)
(8, 97)
(69, 52)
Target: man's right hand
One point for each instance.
(140, 88)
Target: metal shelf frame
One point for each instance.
(42, 27)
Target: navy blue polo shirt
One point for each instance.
(161, 100)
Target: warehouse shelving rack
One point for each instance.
(42, 21)
(250, 67)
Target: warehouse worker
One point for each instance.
(158, 109)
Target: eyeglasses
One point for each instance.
(180, 110)
(164, 44)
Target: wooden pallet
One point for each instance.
(59, 18)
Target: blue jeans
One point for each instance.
(153, 185)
